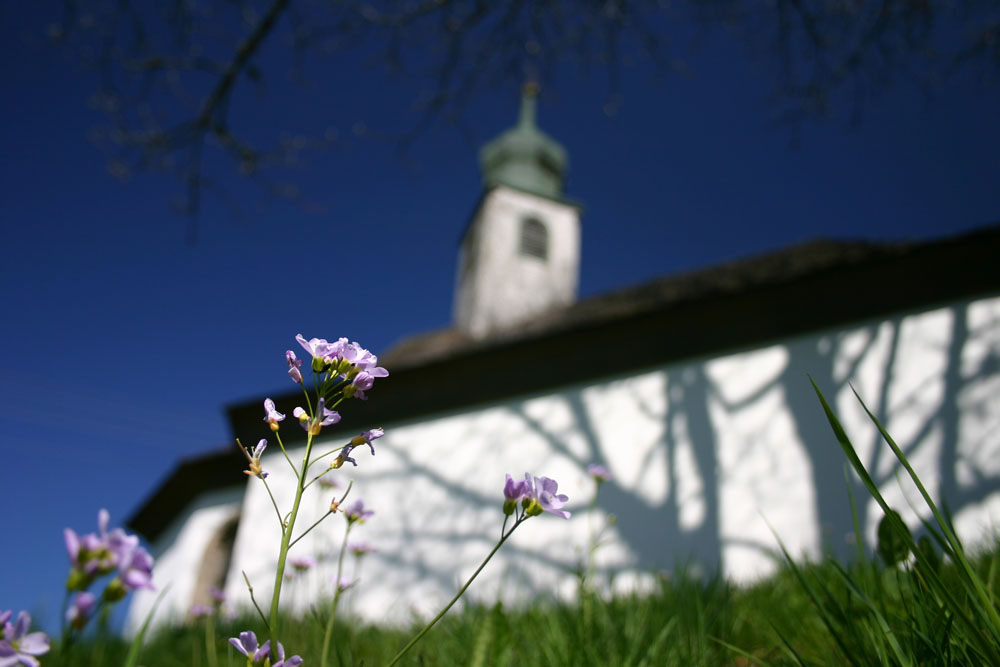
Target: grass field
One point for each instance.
(687, 622)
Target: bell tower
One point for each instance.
(520, 254)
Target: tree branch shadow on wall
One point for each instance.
(685, 421)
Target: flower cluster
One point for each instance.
(348, 361)
(536, 494)
(17, 645)
(246, 644)
(94, 555)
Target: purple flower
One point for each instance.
(201, 611)
(324, 417)
(516, 490)
(294, 661)
(80, 610)
(17, 645)
(321, 348)
(293, 366)
(135, 566)
(254, 459)
(544, 494)
(329, 481)
(356, 511)
(513, 492)
(344, 457)
(599, 473)
(364, 379)
(366, 438)
(136, 569)
(360, 548)
(271, 415)
(247, 645)
(302, 563)
(218, 595)
(344, 583)
(358, 356)
(328, 416)
(323, 352)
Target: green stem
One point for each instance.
(320, 458)
(65, 638)
(210, 639)
(336, 598)
(286, 535)
(461, 591)
(254, 601)
(273, 502)
(285, 452)
(292, 544)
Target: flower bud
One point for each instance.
(531, 507)
(115, 591)
(77, 580)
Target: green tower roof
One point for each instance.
(524, 157)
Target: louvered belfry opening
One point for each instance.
(534, 238)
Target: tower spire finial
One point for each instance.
(529, 93)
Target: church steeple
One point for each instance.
(520, 254)
(524, 157)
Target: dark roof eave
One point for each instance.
(192, 477)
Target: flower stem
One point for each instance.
(461, 591)
(285, 452)
(318, 521)
(336, 598)
(254, 601)
(286, 536)
(210, 640)
(273, 502)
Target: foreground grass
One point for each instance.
(687, 622)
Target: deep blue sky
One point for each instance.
(121, 343)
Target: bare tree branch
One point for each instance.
(169, 71)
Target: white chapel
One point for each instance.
(692, 390)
